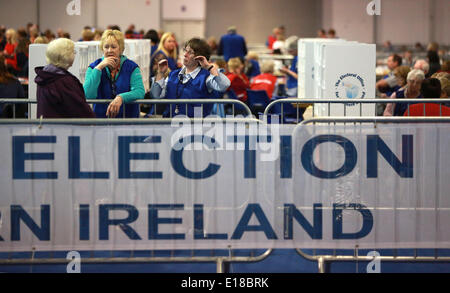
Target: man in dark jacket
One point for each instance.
(232, 45)
(59, 93)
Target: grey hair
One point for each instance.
(268, 66)
(291, 43)
(60, 52)
(423, 65)
(416, 74)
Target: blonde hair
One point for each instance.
(164, 38)
(87, 35)
(60, 52)
(41, 40)
(444, 79)
(252, 55)
(117, 35)
(13, 34)
(402, 72)
(267, 66)
(234, 63)
(416, 74)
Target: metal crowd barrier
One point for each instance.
(324, 256)
(232, 102)
(222, 258)
(290, 105)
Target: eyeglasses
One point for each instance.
(190, 52)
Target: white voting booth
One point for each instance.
(86, 53)
(330, 69)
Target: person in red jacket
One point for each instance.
(266, 80)
(239, 81)
(9, 51)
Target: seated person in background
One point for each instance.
(10, 50)
(321, 33)
(167, 50)
(87, 35)
(423, 65)
(222, 64)
(292, 76)
(252, 65)
(41, 40)
(400, 73)
(197, 79)
(408, 59)
(445, 66)
(59, 93)
(279, 46)
(332, 34)
(388, 83)
(410, 91)
(265, 81)
(212, 42)
(114, 77)
(272, 38)
(444, 79)
(239, 81)
(154, 40)
(22, 57)
(387, 46)
(10, 88)
(431, 89)
(434, 61)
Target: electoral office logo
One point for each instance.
(350, 86)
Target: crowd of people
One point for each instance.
(414, 79)
(185, 73)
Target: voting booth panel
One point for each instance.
(337, 69)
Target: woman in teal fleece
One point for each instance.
(114, 77)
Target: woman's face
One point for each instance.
(189, 57)
(8, 36)
(400, 81)
(111, 48)
(169, 44)
(414, 85)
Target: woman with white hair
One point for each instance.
(292, 72)
(114, 77)
(266, 80)
(59, 93)
(410, 91)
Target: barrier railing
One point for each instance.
(324, 257)
(220, 260)
(290, 105)
(221, 257)
(232, 102)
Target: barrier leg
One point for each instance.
(321, 263)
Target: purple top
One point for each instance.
(60, 94)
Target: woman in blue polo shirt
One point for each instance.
(167, 49)
(197, 79)
(114, 77)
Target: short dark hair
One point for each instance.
(397, 58)
(431, 88)
(115, 27)
(152, 35)
(200, 47)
